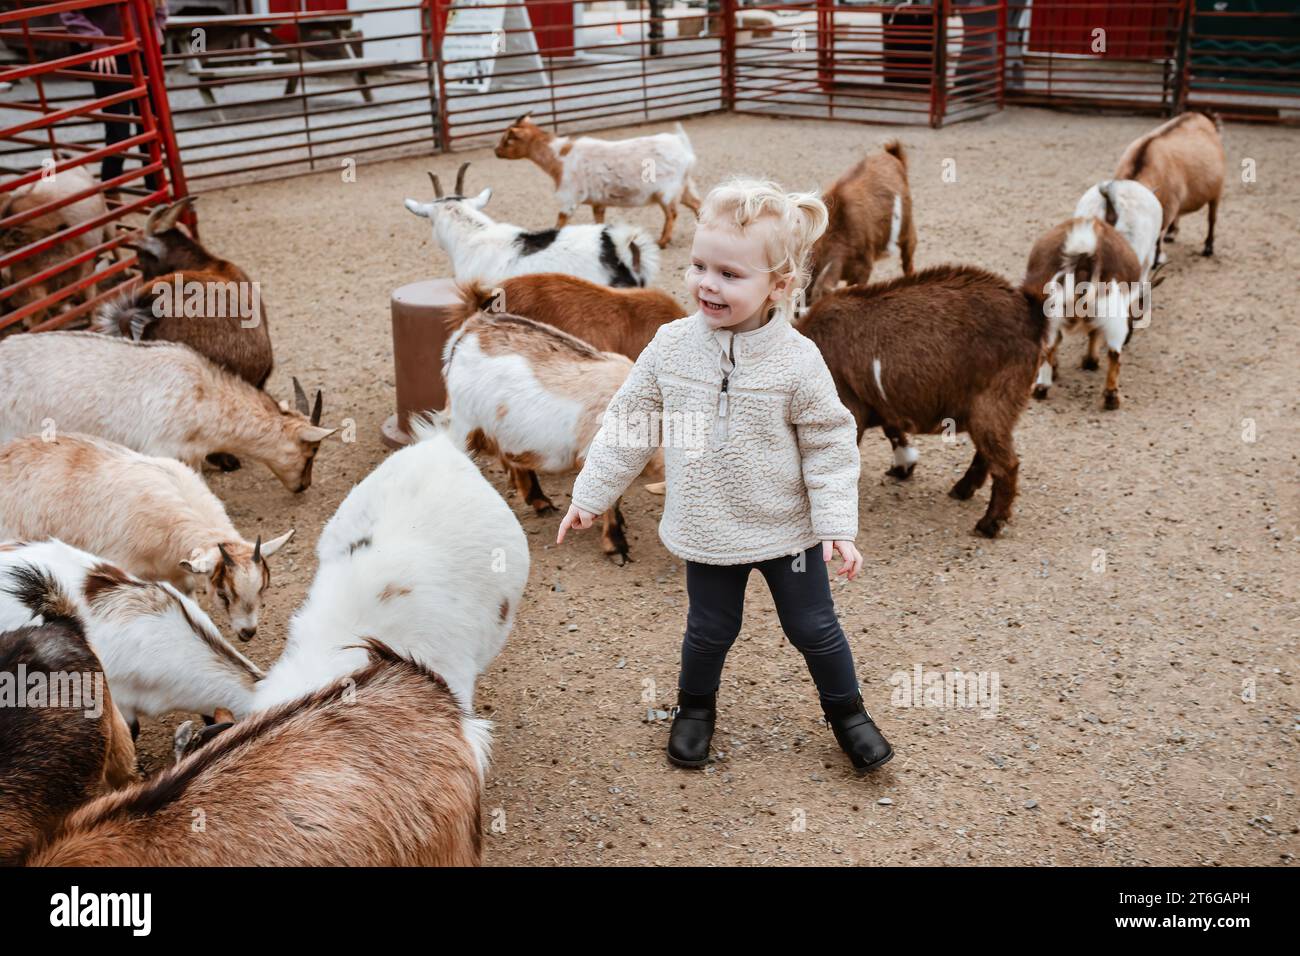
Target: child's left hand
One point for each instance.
(848, 551)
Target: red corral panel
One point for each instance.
(289, 34)
(1128, 29)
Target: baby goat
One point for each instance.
(73, 744)
(488, 251)
(191, 296)
(1083, 272)
(1182, 162)
(159, 651)
(612, 320)
(158, 398)
(1135, 213)
(601, 173)
(950, 347)
(870, 209)
(153, 516)
(369, 754)
(534, 397)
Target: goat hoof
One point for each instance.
(1040, 392)
(900, 472)
(544, 507)
(1208, 250)
(1089, 364)
(961, 491)
(1112, 401)
(989, 527)
(619, 558)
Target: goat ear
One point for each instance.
(275, 544)
(312, 434)
(481, 200)
(169, 216)
(200, 561)
(423, 210)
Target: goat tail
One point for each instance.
(1107, 190)
(129, 316)
(636, 249)
(41, 593)
(895, 148)
(430, 424)
(1214, 118)
(681, 134)
(475, 296)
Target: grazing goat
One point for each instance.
(870, 210)
(68, 745)
(1182, 162)
(158, 398)
(153, 516)
(487, 251)
(950, 347)
(159, 651)
(369, 754)
(193, 297)
(534, 397)
(612, 320)
(1135, 213)
(601, 173)
(34, 195)
(1083, 272)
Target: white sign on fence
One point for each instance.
(476, 37)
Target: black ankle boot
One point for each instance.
(692, 730)
(857, 734)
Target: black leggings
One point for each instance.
(802, 594)
(114, 132)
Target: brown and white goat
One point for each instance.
(1084, 273)
(870, 209)
(72, 744)
(158, 398)
(1182, 162)
(950, 348)
(34, 195)
(601, 173)
(152, 516)
(612, 320)
(535, 397)
(193, 297)
(318, 781)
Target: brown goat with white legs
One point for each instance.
(613, 320)
(1182, 162)
(193, 297)
(1085, 273)
(71, 747)
(313, 782)
(948, 348)
(870, 209)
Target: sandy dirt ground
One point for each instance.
(1139, 614)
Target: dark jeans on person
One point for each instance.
(802, 594)
(115, 132)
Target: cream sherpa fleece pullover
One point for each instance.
(760, 456)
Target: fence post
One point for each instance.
(1182, 57)
(728, 11)
(1002, 54)
(939, 74)
(437, 80)
(156, 81)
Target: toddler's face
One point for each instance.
(728, 277)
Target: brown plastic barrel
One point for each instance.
(420, 313)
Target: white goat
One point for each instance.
(1135, 213)
(160, 652)
(600, 172)
(422, 555)
(153, 516)
(535, 397)
(484, 250)
(159, 398)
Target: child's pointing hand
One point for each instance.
(578, 517)
(848, 551)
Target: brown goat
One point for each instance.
(54, 758)
(1182, 162)
(870, 209)
(612, 320)
(173, 265)
(371, 771)
(1091, 262)
(948, 348)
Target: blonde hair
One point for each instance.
(797, 220)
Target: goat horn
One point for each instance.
(316, 408)
(437, 186)
(460, 179)
(226, 559)
(299, 396)
(257, 550)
